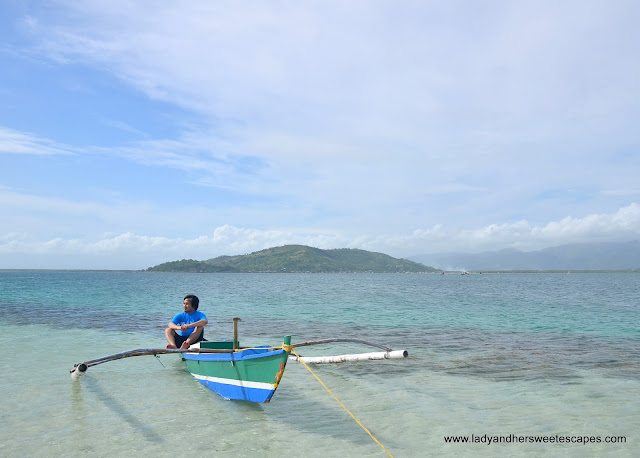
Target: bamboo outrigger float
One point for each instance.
(241, 373)
(388, 353)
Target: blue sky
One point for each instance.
(138, 132)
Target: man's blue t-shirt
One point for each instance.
(187, 318)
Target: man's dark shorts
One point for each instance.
(180, 339)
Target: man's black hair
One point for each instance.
(194, 300)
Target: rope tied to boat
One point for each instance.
(341, 404)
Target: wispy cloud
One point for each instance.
(282, 86)
(14, 142)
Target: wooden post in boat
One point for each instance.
(235, 333)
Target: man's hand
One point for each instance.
(184, 327)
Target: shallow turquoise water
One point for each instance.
(496, 354)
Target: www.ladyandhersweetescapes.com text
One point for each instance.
(488, 439)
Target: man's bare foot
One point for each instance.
(185, 346)
(172, 346)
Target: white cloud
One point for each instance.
(622, 225)
(132, 251)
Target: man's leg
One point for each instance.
(194, 337)
(170, 335)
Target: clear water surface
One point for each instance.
(491, 354)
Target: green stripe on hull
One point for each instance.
(249, 365)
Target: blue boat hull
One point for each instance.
(247, 375)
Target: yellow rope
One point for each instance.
(339, 402)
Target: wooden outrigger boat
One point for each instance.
(251, 374)
(247, 374)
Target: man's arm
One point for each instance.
(200, 323)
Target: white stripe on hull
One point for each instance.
(242, 383)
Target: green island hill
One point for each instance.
(298, 258)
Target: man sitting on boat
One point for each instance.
(186, 328)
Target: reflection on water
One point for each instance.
(119, 409)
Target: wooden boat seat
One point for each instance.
(226, 345)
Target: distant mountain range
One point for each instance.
(578, 256)
(297, 258)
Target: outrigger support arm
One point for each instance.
(340, 339)
(80, 368)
